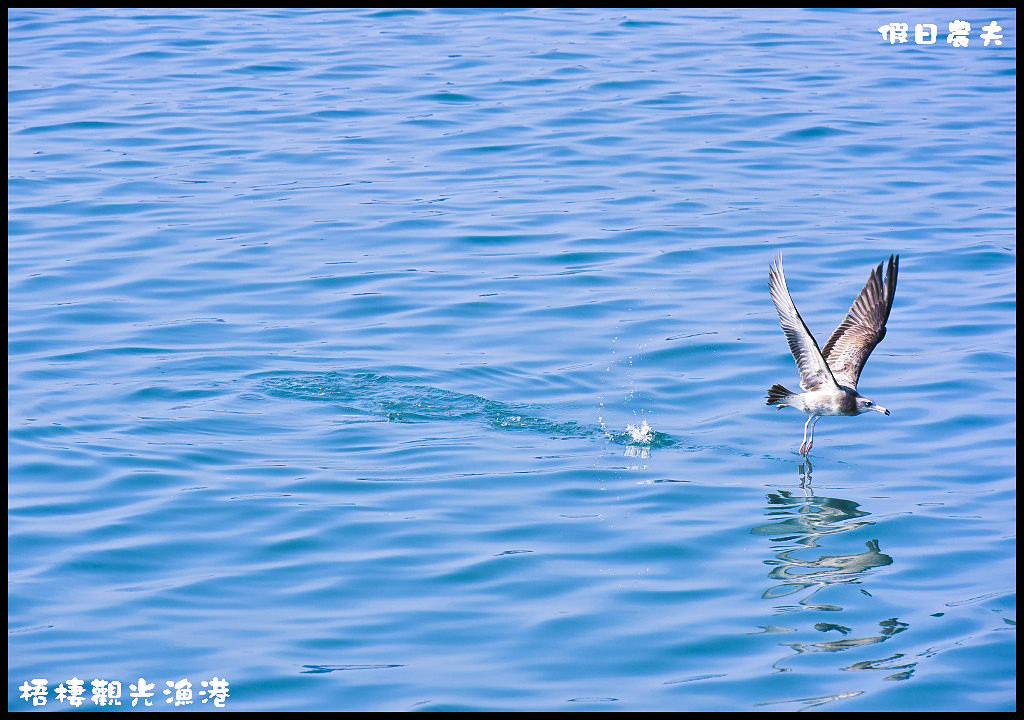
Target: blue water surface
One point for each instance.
(416, 359)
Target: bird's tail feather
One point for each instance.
(778, 395)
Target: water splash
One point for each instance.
(642, 435)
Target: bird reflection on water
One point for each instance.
(797, 528)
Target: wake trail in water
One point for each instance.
(407, 401)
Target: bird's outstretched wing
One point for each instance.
(814, 371)
(864, 327)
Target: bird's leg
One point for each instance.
(803, 443)
(805, 446)
(810, 440)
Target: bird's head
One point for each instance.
(865, 405)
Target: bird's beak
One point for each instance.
(881, 409)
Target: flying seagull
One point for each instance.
(829, 377)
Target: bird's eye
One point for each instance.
(867, 403)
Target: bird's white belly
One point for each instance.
(821, 402)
